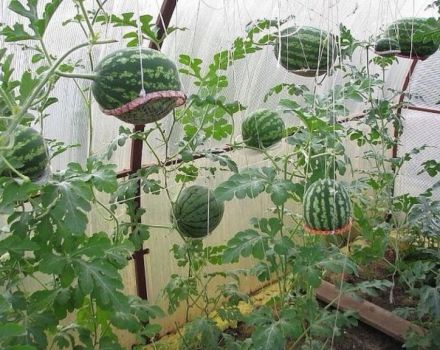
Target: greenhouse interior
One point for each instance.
(220, 174)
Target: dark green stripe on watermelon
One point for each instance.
(197, 212)
(306, 48)
(29, 154)
(262, 129)
(118, 76)
(409, 33)
(326, 205)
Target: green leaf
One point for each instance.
(16, 33)
(429, 302)
(102, 281)
(246, 243)
(224, 160)
(11, 330)
(27, 85)
(270, 333)
(103, 176)
(249, 183)
(187, 173)
(69, 201)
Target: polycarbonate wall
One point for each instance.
(212, 25)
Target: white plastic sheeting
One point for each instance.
(420, 128)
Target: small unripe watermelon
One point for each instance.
(262, 129)
(117, 85)
(306, 51)
(29, 154)
(327, 208)
(197, 212)
(410, 34)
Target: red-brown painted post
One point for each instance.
(162, 22)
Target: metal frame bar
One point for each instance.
(162, 22)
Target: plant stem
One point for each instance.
(20, 114)
(10, 166)
(86, 18)
(76, 75)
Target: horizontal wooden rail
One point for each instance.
(369, 313)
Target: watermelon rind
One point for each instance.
(306, 51)
(263, 128)
(327, 207)
(196, 212)
(118, 84)
(29, 154)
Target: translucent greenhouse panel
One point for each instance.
(420, 128)
(424, 85)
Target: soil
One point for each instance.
(364, 337)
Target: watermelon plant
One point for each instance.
(79, 300)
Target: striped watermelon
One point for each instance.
(412, 45)
(327, 208)
(306, 51)
(262, 129)
(387, 47)
(117, 85)
(29, 154)
(197, 212)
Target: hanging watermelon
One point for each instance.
(327, 208)
(29, 154)
(306, 51)
(387, 47)
(197, 212)
(412, 37)
(117, 85)
(262, 129)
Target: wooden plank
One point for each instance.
(369, 313)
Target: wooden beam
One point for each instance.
(369, 313)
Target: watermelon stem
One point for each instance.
(10, 166)
(90, 76)
(42, 83)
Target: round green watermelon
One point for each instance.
(117, 85)
(386, 47)
(197, 212)
(327, 208)
(306, 51)
(29, 154)
(262, 129)
(410, 35)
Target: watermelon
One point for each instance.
(410, 33)
(262, 129)
(386, 47)
(29, 154)
(327, 208)
(196, 212)
(306, 51)
(117, 85)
